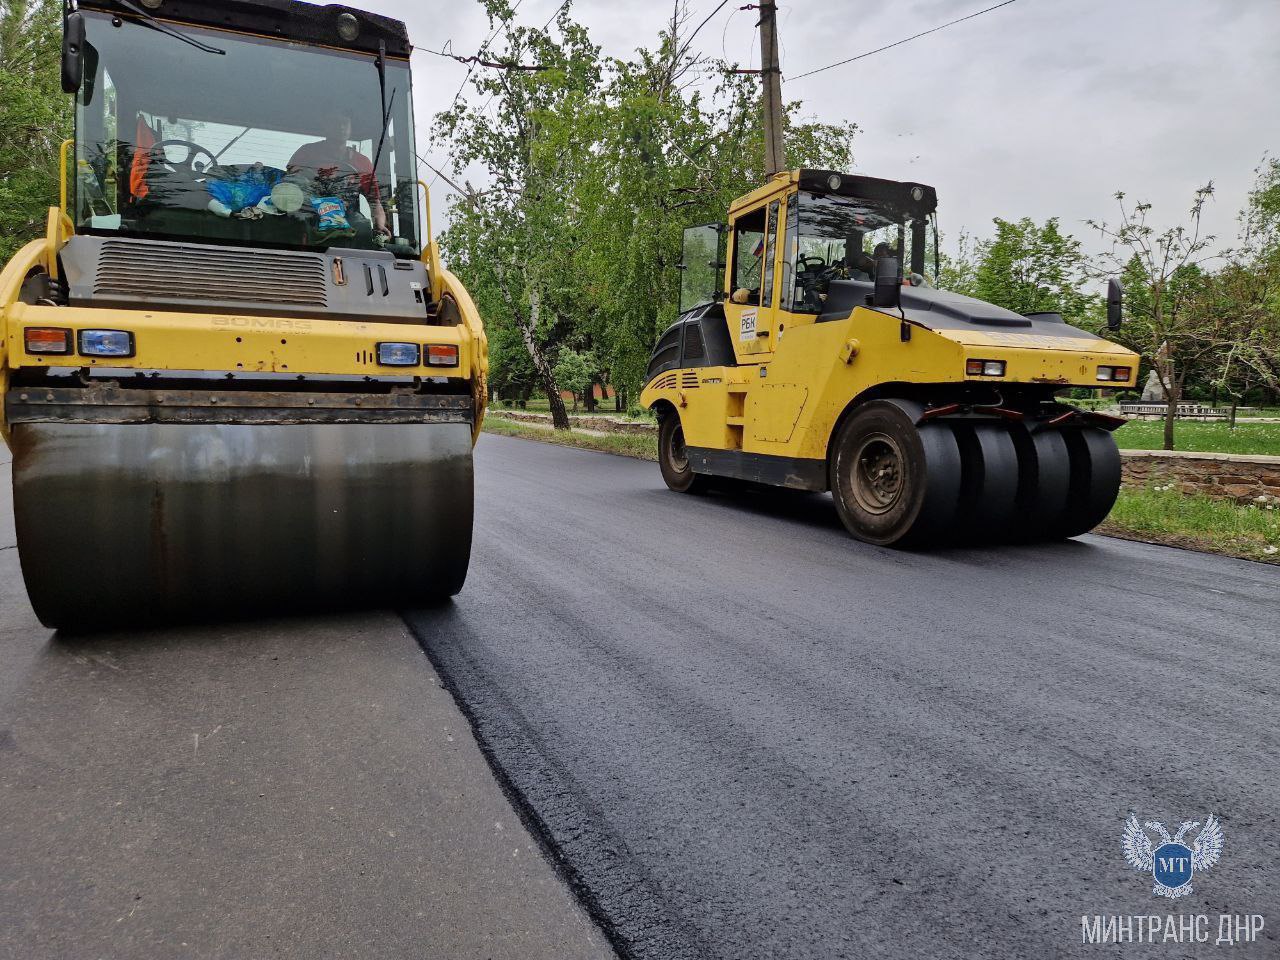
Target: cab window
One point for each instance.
(770, 232)
(748, 254)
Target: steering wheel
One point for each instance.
(187, 164)
(805, 259)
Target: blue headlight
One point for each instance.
(106, 343)
(398, 354)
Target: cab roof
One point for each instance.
(285, 19)
(902, 194)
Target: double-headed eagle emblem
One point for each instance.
(1171, 862)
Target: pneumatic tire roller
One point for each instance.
(806, 357)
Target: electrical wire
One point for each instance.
(471, 67)
(556, 14)
(720, 6)
(898, 43)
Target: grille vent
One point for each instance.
(689, 379)
(191, 272)
(665, 382)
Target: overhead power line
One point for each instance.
(556, 14)
(720, 6)
(898, 43)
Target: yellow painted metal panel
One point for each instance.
(236, 342)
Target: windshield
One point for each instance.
(273, 144)
(842, 238)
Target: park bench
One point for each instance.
(1186, 411)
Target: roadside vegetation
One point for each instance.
(1197, 522)
(639, 446)
(1246, 438)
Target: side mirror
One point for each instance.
(1115, 304)
(72, 52)
(888, 291)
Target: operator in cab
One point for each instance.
(334, 158)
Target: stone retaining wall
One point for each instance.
(1226, 475)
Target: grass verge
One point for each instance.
(1196, 522)
(640, 446)
(1246, 438)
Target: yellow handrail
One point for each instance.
(62, 179)
(426, 210)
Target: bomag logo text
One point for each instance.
(263, 323)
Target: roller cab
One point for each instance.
(812, 353)
(237, 377)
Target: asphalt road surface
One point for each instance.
(749, 736)
(300, 788)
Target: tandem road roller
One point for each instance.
(805, 356)
(237, 377)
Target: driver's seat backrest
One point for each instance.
(144, 141)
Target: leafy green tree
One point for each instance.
(576, 372)
(1163, 276)
(35, 117)
(510, 240)
(1033, 269)
(1242, 299)
(595, 166)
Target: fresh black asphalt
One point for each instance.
(747, 736)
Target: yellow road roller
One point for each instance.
(237, 378)
(811, 352)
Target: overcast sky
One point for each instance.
(1042, 108)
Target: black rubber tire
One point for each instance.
(1044, 482)
(1095, 480)
(673, 460)
(989, 484)
(911, 498)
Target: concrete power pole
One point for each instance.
(775, 154)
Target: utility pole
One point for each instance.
(775, 155)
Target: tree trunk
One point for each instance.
(589, 398)
(1171, 409)
(546, 375)
(541, 366)
(1235, 402)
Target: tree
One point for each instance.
(1033, 269)
(1243, 297)
(35, 117)
(595, 166)
(576, 372)
(511, 237)
(959, 273)
(1233, 302)
(1162, 274)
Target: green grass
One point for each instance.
(1198, 522)
(641, 446)
(604, 408)
(1246, 438)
